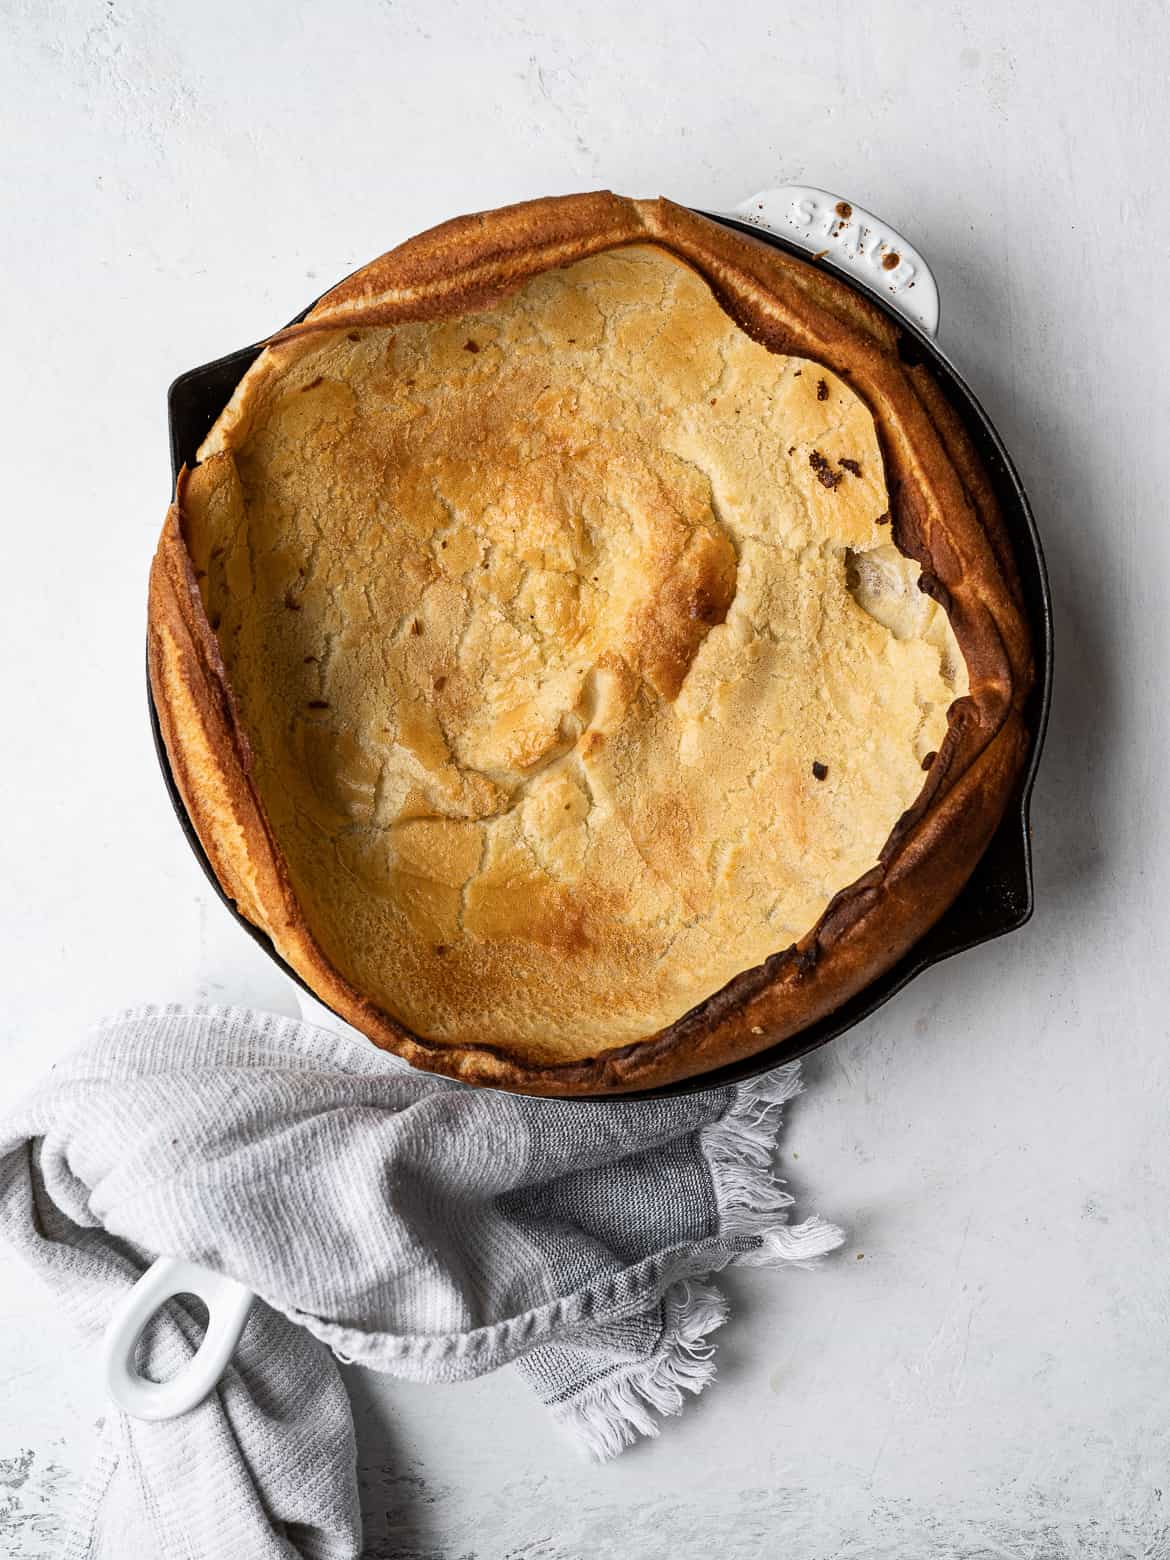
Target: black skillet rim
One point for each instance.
(997, 899)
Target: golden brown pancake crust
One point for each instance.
(943, 517)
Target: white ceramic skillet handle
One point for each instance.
(227, 1303)
(854, 240)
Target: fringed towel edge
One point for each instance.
(610, 1414)
(751, 1205)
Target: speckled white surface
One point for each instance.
(986, 1370)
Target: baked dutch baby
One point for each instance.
(587, 648)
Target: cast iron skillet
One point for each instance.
(998, 897)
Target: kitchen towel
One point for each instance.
(386, 1217)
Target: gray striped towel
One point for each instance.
(409, 1224)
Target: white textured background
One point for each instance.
(985, 1371)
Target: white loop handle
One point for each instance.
(227, 1303)
(854, 240)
